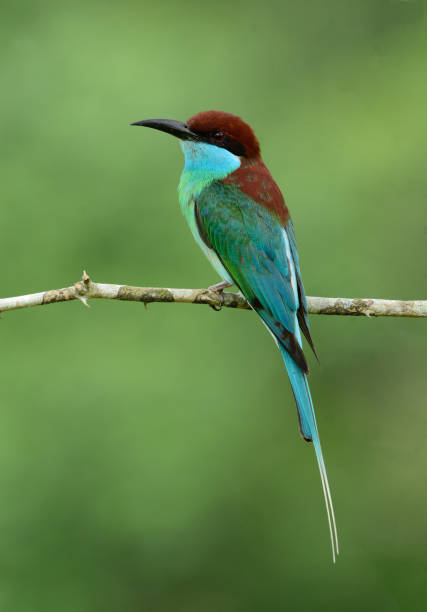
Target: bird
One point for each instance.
(238, 216)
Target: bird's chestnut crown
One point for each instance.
(225, 130)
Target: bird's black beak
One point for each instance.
(170, 126)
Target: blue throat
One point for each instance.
(204, 163)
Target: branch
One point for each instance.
(86, 288)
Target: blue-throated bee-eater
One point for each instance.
(239, 218)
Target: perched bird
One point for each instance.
(238, 217)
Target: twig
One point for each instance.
(86, 288)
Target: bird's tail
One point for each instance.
(309, 431)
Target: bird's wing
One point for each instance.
(255, 249)
(302, 309)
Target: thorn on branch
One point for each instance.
(83, 300)
(86, 278)
(82, 289)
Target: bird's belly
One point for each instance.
(210, 253)
(217, 264)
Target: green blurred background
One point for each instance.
(150, 458)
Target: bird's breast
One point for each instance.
(190, 215)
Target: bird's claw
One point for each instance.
(219, 290)
(218, 307)
(218, 293)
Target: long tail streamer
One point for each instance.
(309, 430)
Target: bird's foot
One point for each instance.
(219, 289)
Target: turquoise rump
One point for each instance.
(237, 215)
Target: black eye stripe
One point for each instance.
(220, 139)
(234, 146)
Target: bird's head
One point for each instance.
(214, 128)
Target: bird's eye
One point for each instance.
(218, 136)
